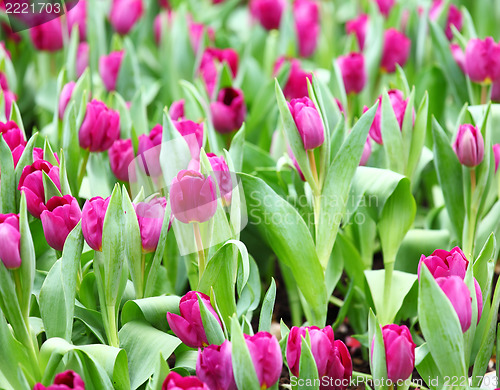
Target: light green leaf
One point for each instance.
(243, 368)
(266, 312)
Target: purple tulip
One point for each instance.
(68, 380)
(266, 356)
(469, 145)
(192, 197)
(148, 151)
(192, 132)
(176, 110)
(458, 55)
(307, 25)
(121, 156)
(229, 111)
(358, 27)
(482, 60)
(47, 36)
(65, 97)
(109, 68)
(296, 85)
(268, 12)
(214, 366)
(175, 381)
(496, 154)
(150, 216)
(82, 58)
(459, 295)
(12, 134)
(208, 65)
(77, 15)
(352, 67)
(308, 122)
(60, 218)
(396, 50)
(188, 326)
(100, 127)
(331, 356)
(93, 213)
(223, 176)
(399, 352)
(385, 6)
(367, 151)
(10, 241)
(125, 14)
(31, 183)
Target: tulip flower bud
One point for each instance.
(192, 197)
(454, 19)
(385, 6)
(10, 241)
(68, 380)
(47, 36)
(188, 326)
(482, 60)
(176, 110)
(367, 151)
(459, 295)
(308, 122)
(93, 213)
(229, 111)
(109, 69)
(12, 134)
(209, 60)
(331, 356)
(31, 183)
(175, 381)
(82, 58)
(150, 216)
(214, 367)
(125, 14)
(296, 85)
(65, 97)
(193, 134)
(358, 27)
(266, 356)
(399, 352)
(223, 176)
(469, 145)
(458, 55)
(148, 151)
(60, 218)
(352, 67)
(121, 156)
(396, 50)
(196, 31)
(496, 154)
(307, 25)
(100, 127)
(77, 15)
(268, 12)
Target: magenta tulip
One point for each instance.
(229, 111)
(308, 122)
(482, 60)
(196, 34)
(12, 134)
(266, 356)
(307, 25)
(68, 380)
(10, 241)
(93, 213)
(208, 65)
(214, 366)
(65, 97)
(100, 127)
(268, 12)
(192, 132)
(150, 216)
(358, 27)
(399, 352)
(367, 151)
(352, 67)
(125, 14)
(77, 16)
(121, 158)
(109, 69)
(82, 58)
(496, 154)
(188, 326)
(296, 85)
(469, 145)
(458, 55)
(31, 184)
(396, 50)
(385, 6)
(175, 381)
(47, 36)
(60, 218)
(223, 176)
(148, 151)
(454, 19)
(192, 197)
(176, 110)
(459, 295)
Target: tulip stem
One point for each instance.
(484, 94)
(83, 168)
(201, 251)
(471, 218)
(369, 378)
(317, 196)
(312, 162)
(111, 329)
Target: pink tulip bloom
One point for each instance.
(60, 218)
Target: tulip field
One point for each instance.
(249, 194)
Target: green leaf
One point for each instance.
(28, 263)
(236, 149)
(418, 136)
(8, 187)
(391, 134)
(212, 327)
(307, 367)
(266, 312)
(243, 368)
(152, 310)
(377, 352)
(50, 188)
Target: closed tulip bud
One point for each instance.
(82, 58)
(268, 12)
(482, 60)
(358, 27)
(196, 31)
(296, 85)
(229, 111)
(266, 356)
(385, 6)
(367, 151)
(214, 366)
(150, 216)
(469, 145)
(31, 184)
(65, 97)
(399, 352)
(100, 127)
(396, 50)
(188, 326)
(208, 65)
(175, 381)
(148, 151)
(60, 218)
(192, 197)
(352, 67)
(47, 36)
(125, 14)
(121, 156)
(308, 122)
(459, 295)
(12, 134)
(176, 110)
(68, 380)
(9, 97)
(109, 68)
(458, 55)
(10, 241)
(93, 213)
(193, 134)
(454, 19)
(307, 25)
(496, 154)
(77, 16)
(223, 176)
